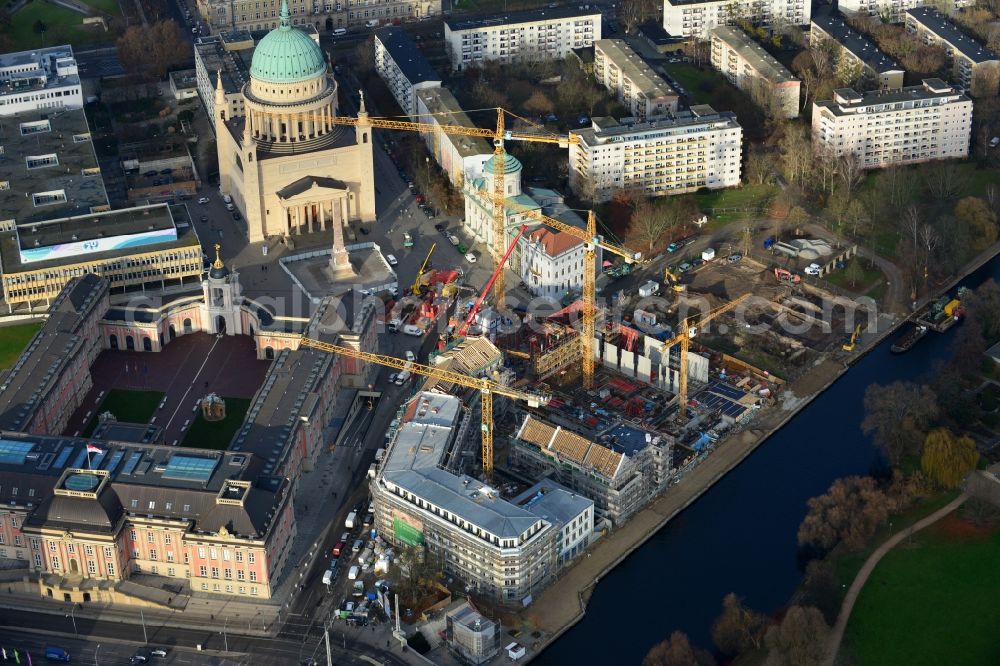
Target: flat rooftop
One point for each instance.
(234, 63)
(158, 481)
(634, 68)
(41, 69)
(114, 226)
(526, 16)
(945, 29)
(25, 386)
(762, 61)
(833, 24)
(701, 118)
(50, 166)
(447, 111)
(848, 101)
(404, 52)
(289, 393)
(553, 502)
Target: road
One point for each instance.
(118, 642)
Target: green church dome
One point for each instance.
(286, 54)
(510, 164)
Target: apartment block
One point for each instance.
(403, 67)
(878, 71)
(755, 71)
(969, 58)
(536, 34)
(460, 156)
(621, 70)
(700, 148)
(697, 18)
(503, 550)
(893, 11)
(932, 121)
(223, 15)
(44, 79)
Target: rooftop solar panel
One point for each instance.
(187, 468)
(13, 453)
(133, 460)
(62, 457)
(115, 459)
(80, 457)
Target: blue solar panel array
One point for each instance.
(186, 468)
(62, 457)
(728, 407)
(116, 458)
(730, 392)
(13, 453)
(80, 457)
(133, 460)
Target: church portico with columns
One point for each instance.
(290, 169)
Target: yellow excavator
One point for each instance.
(848, 345)
(673, 280)
(420, 273)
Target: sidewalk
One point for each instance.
(837, 635)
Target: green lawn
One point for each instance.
(13, 340)
(707, 86)
(931, 602)
(217, 434)
(63, 27)
(128, 406)
(869, 276)
(746, 196)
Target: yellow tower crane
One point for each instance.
(486, 387)
(498, 136)
(685, 332)
(592, 241)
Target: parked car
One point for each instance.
(358, 545)
(353, 573)
(813, 269)
(149, 174)
(392, 377)
(684, 268)
(439, 228)
(453, 239)
(469, 257)
(338, 548)
(159, 652)
(236, 215)
(410, 356)
(203, 200)
(391, 259)
(230, 206)
(733, 258)
(53, 653)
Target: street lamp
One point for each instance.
(225, 638)
(72, 616)
(97, 650)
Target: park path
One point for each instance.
(837, 635)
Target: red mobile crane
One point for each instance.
(489, 285)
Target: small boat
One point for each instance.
(906, 342)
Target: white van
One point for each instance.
(327, 577)
(353, 573)
(351, 518)
(227, 199)
(372, 23)
(415, 331)
(394, 325)
(340, 32)
(391, 260)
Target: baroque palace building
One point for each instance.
(289, 168)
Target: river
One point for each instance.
(740, 536)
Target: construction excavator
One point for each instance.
(674, 281)
(848, 345)
(416, 281)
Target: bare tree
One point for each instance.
(760, 167)
(944, 181)
(738, 629)
(851, 172)
(650, 222)
(800, 639)
(897, 417)
(985, 80)
(677, 651)
(930, 239)
(634, 13)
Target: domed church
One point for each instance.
(289, 169)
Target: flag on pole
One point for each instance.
(93, 449)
